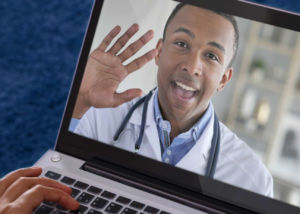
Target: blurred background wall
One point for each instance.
(39, 44)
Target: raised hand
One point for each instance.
(105, 71)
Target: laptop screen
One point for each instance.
(198, 89)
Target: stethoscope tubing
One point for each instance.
(215, 148)
(144, 118)
(127, 117)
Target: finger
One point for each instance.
(126, 96)
(139, 62)
(121, 42)
(33, 197)
(136, 46)
(110, 36)
(13, 176)
(23, 184)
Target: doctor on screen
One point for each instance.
(174, 123)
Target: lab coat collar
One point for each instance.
(195, 160)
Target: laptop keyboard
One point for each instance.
(94, 200)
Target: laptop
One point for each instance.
(259, 105)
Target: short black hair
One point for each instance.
(226, 16)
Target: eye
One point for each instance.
(181, 44)
(212, 57)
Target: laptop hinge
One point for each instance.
(158, 187)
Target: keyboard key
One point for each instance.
(137, 205)
(99, 203)
(94, 190)
(59, 212)
(128, 211)
(92, 211)
(113, 208)
(75, 192)
(81, 210)
(164, 212)
(123, 200)
(151, 210)
(44, 210)
(67, 180)
(85, 198)
(108, 195)
(81, 185)
(61, 208)
(52, 175)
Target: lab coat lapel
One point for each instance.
(196, 159)
(150, 139)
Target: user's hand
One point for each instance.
(21, 191)
(105, 71)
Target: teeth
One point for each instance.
(185, 87)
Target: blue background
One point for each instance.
(39, 44)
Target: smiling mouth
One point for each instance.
(184, 92)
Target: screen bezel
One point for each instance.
(75, 145)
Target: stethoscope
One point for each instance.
(215, 144)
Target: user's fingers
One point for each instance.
(139, 62)
(126, 96)
(110, 36)
(13, 176)
(33, 197)
(121, 42)
(136, 46)
(24, 183)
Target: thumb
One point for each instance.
(126, 96)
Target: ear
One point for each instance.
(225, 78)
(158, 47)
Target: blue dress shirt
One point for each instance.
(173, 152)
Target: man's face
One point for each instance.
(192, 62)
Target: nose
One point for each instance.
(193, 64)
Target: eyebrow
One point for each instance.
(191, 34)
(184, 30)
(217, 45)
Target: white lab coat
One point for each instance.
(237, 163)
